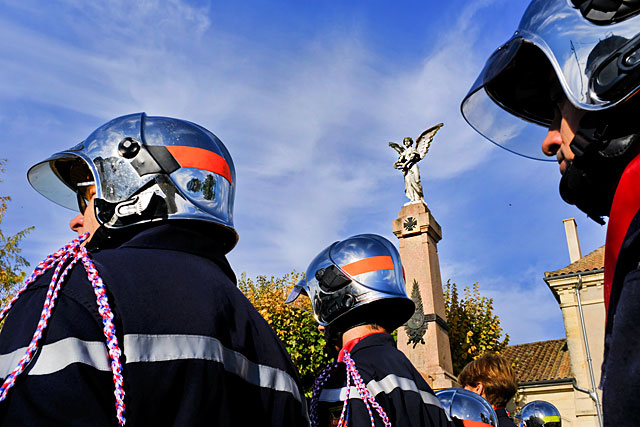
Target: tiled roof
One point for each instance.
(539, 361)
(592, 261)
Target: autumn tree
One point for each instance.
(473, 328)
(294, 324)
(11, 262)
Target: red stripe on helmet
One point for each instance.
(199, 158)
(470, 423)
(367, 265)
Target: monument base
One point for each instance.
(438, 379)
(425, 339)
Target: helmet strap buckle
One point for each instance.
(138, 203)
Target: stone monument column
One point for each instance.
(425, 339)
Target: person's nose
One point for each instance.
(77, 224)
(552, 142)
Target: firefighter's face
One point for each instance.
(86, 221)
(561, 132)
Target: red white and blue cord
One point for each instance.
(317, 389)
(75, 252)
(352, 375)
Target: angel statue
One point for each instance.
(409, 158)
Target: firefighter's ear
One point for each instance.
(477, 389)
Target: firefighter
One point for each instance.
(491, 377)
(357, 292)
(139, 320)
(573, 68)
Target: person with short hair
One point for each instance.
(491, 377)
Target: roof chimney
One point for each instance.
(571, 231)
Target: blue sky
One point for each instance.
(306, 96)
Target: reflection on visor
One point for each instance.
(59, 177)
(510, 103)
(296, 291)
(499, 60)
(504, 129)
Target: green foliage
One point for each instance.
(473, 328)
(294, 324)
(11, 263)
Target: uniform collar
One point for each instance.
(372, 338)
(177, 236)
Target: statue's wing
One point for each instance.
(396, 147)
(423, 142)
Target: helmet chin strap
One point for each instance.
(333, 338)
(577, 188)
(122, 219)
(600, 158)
(131, 211)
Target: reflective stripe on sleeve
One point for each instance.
(385, 385)
(338, 394)
(58, 355)
(158, 348)
(391, 382)
(152, 348)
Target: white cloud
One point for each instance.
(318, 121)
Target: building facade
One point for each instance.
(566, 372)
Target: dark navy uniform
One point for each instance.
(503, 418)
(195, 351)
(395, 383)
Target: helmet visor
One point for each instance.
(297, 290)
(115, 177)
(554, 46)
(64, 179)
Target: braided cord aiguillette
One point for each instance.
(317, 388)
(109, 331)
(40, 269)
(363, 391)
(76, 252)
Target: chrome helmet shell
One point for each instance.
(594, 56)
(468, 406)
(146, 169)
(539, 414)
(355, 281)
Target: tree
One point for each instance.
(11, 263)
(473, 328)
(294, 324)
